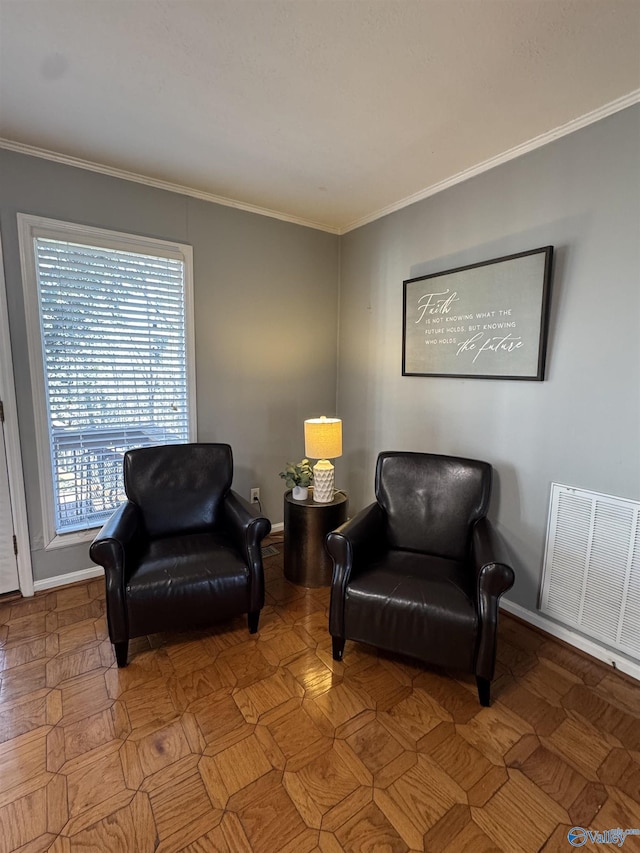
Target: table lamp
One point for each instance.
(323, 441)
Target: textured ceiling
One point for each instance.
(325, 111)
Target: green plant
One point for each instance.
(299, 474)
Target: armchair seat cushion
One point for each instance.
(190, 580)
(416, 604)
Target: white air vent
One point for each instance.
(591, 574)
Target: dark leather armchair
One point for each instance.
(184, 550)
(419, 571)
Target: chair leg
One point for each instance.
(484, 691)
(338, 647)
(253, 619)
(122, 652)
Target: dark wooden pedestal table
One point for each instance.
(305, 525)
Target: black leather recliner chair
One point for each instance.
(419, 572)
(184, 550)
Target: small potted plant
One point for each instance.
(298, 477)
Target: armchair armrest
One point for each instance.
(120, 537)
(116, 547)
(354, 539)
(493, 578)
(494, 575)
(244, 523)
(247, 529)
(349, 546)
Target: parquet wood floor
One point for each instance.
(222, 741)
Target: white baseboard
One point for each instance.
(70, 577)
(277, 528)
(617, 661)
(595, 650)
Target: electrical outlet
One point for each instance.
(255, 496)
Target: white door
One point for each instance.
(8, 560)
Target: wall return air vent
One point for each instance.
(591, 573)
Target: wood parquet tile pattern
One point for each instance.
(222, 741)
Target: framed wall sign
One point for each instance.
(486, 320)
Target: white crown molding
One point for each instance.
(560, 632)
(537, 142)
(156, 183)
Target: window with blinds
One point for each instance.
(113, 339)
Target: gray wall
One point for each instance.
(265, 295)
(580, 427)
(259, 280)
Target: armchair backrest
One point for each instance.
(178, 488)
(431, 502)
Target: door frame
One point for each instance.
(12, 445)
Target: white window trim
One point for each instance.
(29, 229)
(12, 439)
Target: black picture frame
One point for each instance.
(482, 321)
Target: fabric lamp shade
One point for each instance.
(323, 441)
(323, 438)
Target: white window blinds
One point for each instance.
(113, 332)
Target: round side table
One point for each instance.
(305, 525)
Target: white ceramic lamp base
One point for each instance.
(323, 480)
